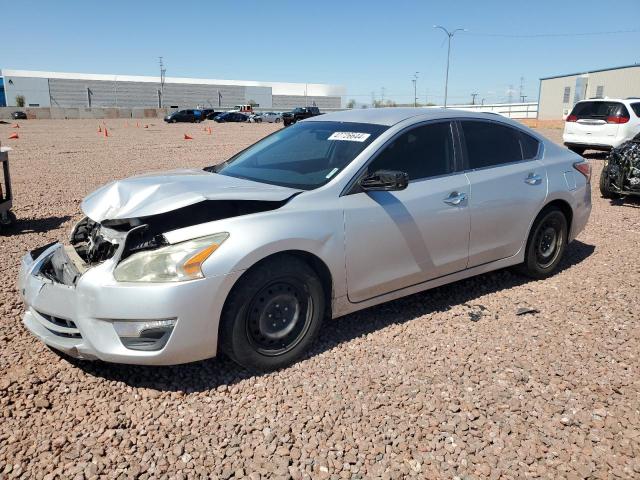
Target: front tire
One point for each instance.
(546, 244)
(273, 314)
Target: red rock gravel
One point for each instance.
(444, 384)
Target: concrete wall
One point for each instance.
(618, 83)
(83, 112)
(34, 90)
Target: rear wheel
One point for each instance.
(605, 191)
(546, 244)
(7, 219)
(277, 120)
(273, 314)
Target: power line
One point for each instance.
(539, 35)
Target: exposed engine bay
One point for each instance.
(92, 243)
(621, 173)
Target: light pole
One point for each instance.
(450, 36)
(415, 96)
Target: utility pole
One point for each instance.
(521, 95)
(450, 36)
(482, 101)
(162, 74)
(473, 98)
(373, 99)
(523, 98)
(382, 95)
(415, 96)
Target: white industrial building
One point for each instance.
(86, 90)
(558, 94)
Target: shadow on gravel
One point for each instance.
(213, 373)
(596, 155)
(35, 225)
(632, 202)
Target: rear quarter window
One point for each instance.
(636, 108)
(490, 144)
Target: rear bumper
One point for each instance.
(589, 146)
(79, 320)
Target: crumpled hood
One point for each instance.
(155, 193)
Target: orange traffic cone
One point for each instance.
(15, 125)
(137, 124)
(126, 124)
(209, 130)
(99, 129)
(106, 132)
(13, 136)
(188, 137)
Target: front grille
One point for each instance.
(59, 326)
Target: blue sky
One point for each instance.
(364, 45)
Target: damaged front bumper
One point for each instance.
(96, 317)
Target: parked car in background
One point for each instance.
(271, 117)
(193, 116)
(601, 124)
(298, 114)
(246, 109)
(255, 118)
(19, 115)
(231, 117)
(327, 217)
(210, 113)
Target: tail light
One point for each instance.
(572, 118)
(617, 119)
(584, 168)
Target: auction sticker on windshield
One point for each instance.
(349, 136)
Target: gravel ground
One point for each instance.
(443, 384)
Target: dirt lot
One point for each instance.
(413, 388)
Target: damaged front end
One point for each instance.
(621, 173)
(92, 243)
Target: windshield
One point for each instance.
(306, 155)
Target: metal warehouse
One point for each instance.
(558, 94)
(86, 90)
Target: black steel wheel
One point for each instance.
(7, 219)
(546, 243)
(273, 314)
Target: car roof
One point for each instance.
(392, 115)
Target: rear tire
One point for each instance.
(546, 244)
(273, 314)
(604, 185)
(578, 150)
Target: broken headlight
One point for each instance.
(174, 263)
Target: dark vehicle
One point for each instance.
(210, 113)
(231, 117)
(7, 217)
(19, 116)
(299, 113)
(621, 172)
(193, 116)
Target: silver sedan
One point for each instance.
(335, 214)
(271, 117)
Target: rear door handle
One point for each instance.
(455, 198)
(533, 179)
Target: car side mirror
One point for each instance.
(387, 180)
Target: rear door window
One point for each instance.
(599, 110)
(490, 144)
(636, 108)
(422, 152)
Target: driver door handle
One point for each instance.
(455, 198)
(533, 179)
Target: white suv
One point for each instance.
(601, 124)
